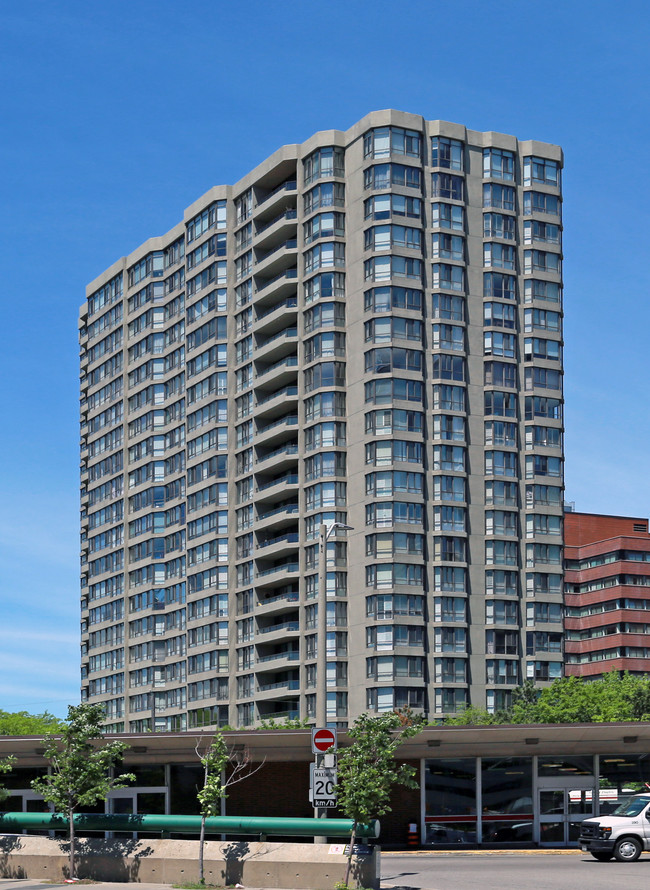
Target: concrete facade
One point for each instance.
(366, 330)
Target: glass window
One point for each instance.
(446, 153)
(541, 170)
(450, 787)
(498, 164)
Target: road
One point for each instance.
(511, 871)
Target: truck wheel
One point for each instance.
(628, 849)
(602, 857)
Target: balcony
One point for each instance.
(270, 404)
(273, 288)
(278, 604)
(283, 196)
(280, 516)
(282, 458)
(277, 345)
(279, 545)
(279, 430)
(274, 317)
(284, 372)
(272, 262)
(276, 229)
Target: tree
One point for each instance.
(80, 770)
(612, 698)
(215, 759)
(23, 723)
(367, 770)
(5, 767)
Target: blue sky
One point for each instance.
(118, 115)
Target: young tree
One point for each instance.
(367, 770)
(215, 758)
(80, 770)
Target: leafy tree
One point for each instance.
(215, 759)
(23, 723)
(80, 770)
(367, 770)
(5, 767)
(612, 698)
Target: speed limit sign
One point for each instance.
(321, 788)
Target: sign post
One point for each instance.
(323, 773)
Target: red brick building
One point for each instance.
(607, 594)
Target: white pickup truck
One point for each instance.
(623, 835)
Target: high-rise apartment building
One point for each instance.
(358, 345)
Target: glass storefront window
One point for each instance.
(450, 801)
(507, 799)
(565, 766)
(620, 777)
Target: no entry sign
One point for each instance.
(322, 739)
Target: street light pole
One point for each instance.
(321, 632)
(324, 535)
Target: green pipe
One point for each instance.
(258, 825)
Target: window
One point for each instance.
(450, 578)
(500, 522)
(499, 285)
(541, 202)
(384, 237)
(448, 336)
(538, 348)
(543, 436)
(448, 247)
(501, 582)
(448, 216)
(327, 194)
(324, 225)
(450, 639)
(501, 493)
(448, 367)
(542, 261)
(382, 176)
(325, 162)
(449, 519)
(384, 268)
(499, 315)
(388, 421)
(500, 374)
(448, 306)
(501, 197)
(450, 670)
(499, 432)
(501, 670)
(541, 231)
(327, 284)
(384, 299)
(541, 319)
(448, 277)
(322, 255)
(500, 463)
(384, 141)
(497, 225)
(542, 465)
(390, 512)
(498, 164)
(383, 330)
(496, 343)
(449, 457)
(502, 553)
(543, 524)
(445, 185)
(448, 426)
(542, 290)
(387, 359)
(448, 398)
(446, 153)
(541, 170)
(498, 255)
(546, 378)
(380, 392)
(384, 206)
(449, 488)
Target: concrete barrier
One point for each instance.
(254, 864)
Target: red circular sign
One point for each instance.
(324, 739)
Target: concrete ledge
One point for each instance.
(271, 865)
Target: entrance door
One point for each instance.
(561, 810)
